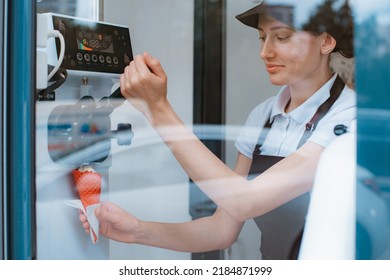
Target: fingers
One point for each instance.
(123, 85)
(131, 78)
(137, 68)
(144, 79)
(102, 214)
(84, 221)
(146, 64)
(105, 212)
(141, 67)
(82, 217)
(154, 65)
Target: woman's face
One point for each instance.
(290, 56)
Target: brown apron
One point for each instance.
(282, 228)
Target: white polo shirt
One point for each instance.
(287, 129)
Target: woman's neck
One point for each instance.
(304, 89)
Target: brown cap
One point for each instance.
(320, 18)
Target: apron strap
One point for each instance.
(335, 92)
(263, 135)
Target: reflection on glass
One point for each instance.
(89, 9)
(373, 81)
(144, 177)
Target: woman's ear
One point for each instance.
(328, 44)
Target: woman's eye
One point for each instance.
(262, 38)
(282, 38)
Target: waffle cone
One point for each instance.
(88, 184)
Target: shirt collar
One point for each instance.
(307, 109)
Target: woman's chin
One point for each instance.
(277, 81)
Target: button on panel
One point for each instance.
(79, 57)
(87, 57)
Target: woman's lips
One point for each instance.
(274, 68)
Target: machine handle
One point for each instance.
(116, 94)
(109, 103)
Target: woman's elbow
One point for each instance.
(227, 241)
(240, 205)
(239, 212)
(243, 209)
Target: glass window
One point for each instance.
(1, 139)
(90, 9)
(373, 153)
(220, 70)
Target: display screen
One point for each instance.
(93, 46)
(91, 41)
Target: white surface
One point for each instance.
(145, 178)
(331, 219)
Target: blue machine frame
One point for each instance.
(18, 130)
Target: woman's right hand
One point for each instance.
(115, 223)
(144, 84)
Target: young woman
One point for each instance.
(291, 131)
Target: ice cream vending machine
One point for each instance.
(79, 63)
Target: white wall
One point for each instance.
(145, 178)
(163, 28)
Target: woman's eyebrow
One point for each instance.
(276, 28)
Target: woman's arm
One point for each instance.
(218, 231)
(243, 165)
(145, 80)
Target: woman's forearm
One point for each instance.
(204, 234)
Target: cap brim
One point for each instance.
(251, 16)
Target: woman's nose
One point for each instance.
(266, 49)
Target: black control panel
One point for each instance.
(93, 46)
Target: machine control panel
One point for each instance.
(93, 46)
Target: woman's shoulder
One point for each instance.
(348, 90)
(347, 97)
(260, 112)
